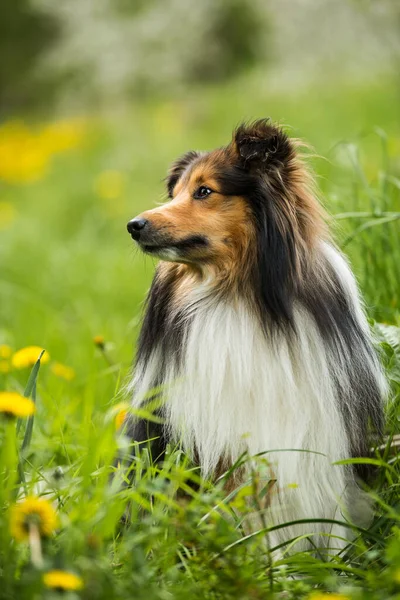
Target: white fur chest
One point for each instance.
(239, 391)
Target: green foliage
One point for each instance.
(69, 274)
(25, 34)
(235, 34)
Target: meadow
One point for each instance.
(73, 284)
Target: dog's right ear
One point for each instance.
(261, 145)
(177, 168)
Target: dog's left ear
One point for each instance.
(262, 145)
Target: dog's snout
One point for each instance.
(135, 227)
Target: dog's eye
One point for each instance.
(202, 192)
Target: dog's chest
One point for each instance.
(237, 390)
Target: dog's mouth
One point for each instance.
(179, 247)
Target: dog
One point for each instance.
(255, 332)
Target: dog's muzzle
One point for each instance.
(136, 226)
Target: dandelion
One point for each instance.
(63, 581)
(121, 411)
(26, 153)
(14, 405)
(22, 159)
(63, 371)
(99, 341)
(32, 512)
(62, 136)
(4, 366)
(5, 351)
(26, 357)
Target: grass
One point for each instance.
(69, 273)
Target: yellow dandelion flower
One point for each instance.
(4, 366)
(35, 511)
(62, 581)
(62, 136)
(22, 158)
(63, 371)
(26, 153)
(109, 185)
(26, 357)
(13, 404)
(121, 411)
(99, 341)
(5, 351)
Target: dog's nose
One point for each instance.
(135, 227)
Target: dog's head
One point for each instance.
(242, 205)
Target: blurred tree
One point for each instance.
(117, 48)
(381, 13)
(25, 33)
(233, 41)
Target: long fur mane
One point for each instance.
(273, 353)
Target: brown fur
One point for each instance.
(226, 220)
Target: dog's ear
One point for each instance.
(177, 168)
(262, 145)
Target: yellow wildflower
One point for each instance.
(109, 185)
(22, 159)
(7, 214)
(4, 366)
(35, 511)
(26, 357)
(99, 341)
(62, 581)
(5, 351)
(396, 576)
(25, 153)
(63, 371)
(61, 136)
(13, 404)
(121, 411)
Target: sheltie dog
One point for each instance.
(255, 333)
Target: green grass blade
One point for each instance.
(30, 391)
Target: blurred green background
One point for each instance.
(96, 100)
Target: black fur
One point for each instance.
(160, 328)
(329, 304)
(165, 331)
(278, 288)
(259, 172)
(150, 434)
(274, 274)
(178, 168)
(189, 243)
(262, 145)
